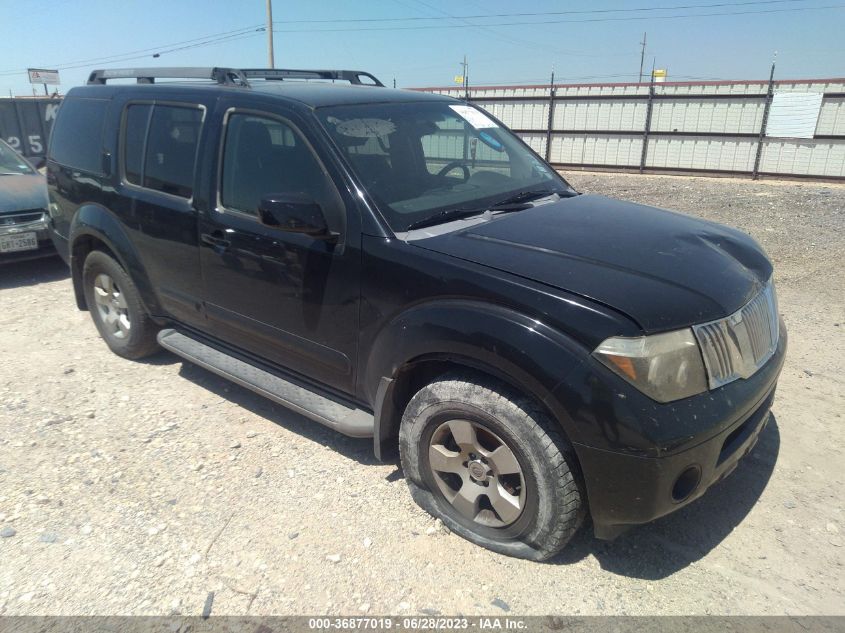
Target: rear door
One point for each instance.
(159, 144)
(287, 297)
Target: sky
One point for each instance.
(422, 42)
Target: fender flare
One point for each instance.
(516, 348)
(97, 222)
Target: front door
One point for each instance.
(287, 297)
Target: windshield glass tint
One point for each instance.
(419, 159)
(11, 162)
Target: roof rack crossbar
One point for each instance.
(223, 76)
(280, 74)
(230, 76)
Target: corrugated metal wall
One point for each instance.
(707, 126)
(25, 123)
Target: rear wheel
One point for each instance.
(492, 466)
(116, 307)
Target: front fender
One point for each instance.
(95, 222)
(519, 349)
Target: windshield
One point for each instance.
(422, 159)
(11, 162)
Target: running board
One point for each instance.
(321, 408)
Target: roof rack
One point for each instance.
(223, 76)
(280, 74)
(228, 76)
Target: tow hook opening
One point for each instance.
(686, 483)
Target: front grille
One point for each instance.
(21, 217)
(738, 345)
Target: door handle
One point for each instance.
(216, 240)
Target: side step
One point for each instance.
(321, 408)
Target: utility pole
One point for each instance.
(642, 56)
(465, 75)
(270, 33)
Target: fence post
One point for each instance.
(550, 121)
(647, 129)
(770, 93)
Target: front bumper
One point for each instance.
(42, 232)
(627, 486)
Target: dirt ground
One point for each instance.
(138, 488)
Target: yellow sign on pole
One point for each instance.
(459, 79)
(659, 74)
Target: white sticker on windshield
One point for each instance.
(476, 118)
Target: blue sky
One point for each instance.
(597, 44)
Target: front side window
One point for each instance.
(264, 156)
(160, 147)
(427, 159)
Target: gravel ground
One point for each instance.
(138, 488)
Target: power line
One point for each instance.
(145, 52)
(251, 31)
(447, 16)
(206, 40)
(545, 22)
(483, 28)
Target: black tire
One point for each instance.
(134, 340)
(551, 500)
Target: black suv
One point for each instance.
(398, 265)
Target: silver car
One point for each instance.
(23, 209)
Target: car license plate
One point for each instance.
(19, 242)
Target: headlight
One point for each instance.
(665, 367)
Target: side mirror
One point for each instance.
(296, 213)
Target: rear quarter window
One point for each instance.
(77, 139)
(159, 146)
(171, 149)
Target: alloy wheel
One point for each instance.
(477, 473)
(112, 307)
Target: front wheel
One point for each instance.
(116, 308)
(491, 466)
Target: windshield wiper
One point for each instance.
(521, 199)
(447, 215)
(515, 202)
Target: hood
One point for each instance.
(663, 269)
(22, 192)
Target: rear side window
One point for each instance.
(77, 140)
(135, 135)
(160, 147)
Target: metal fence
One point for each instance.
(25, 123)
(715, 127)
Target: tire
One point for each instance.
(531, 514)
(116, 308)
